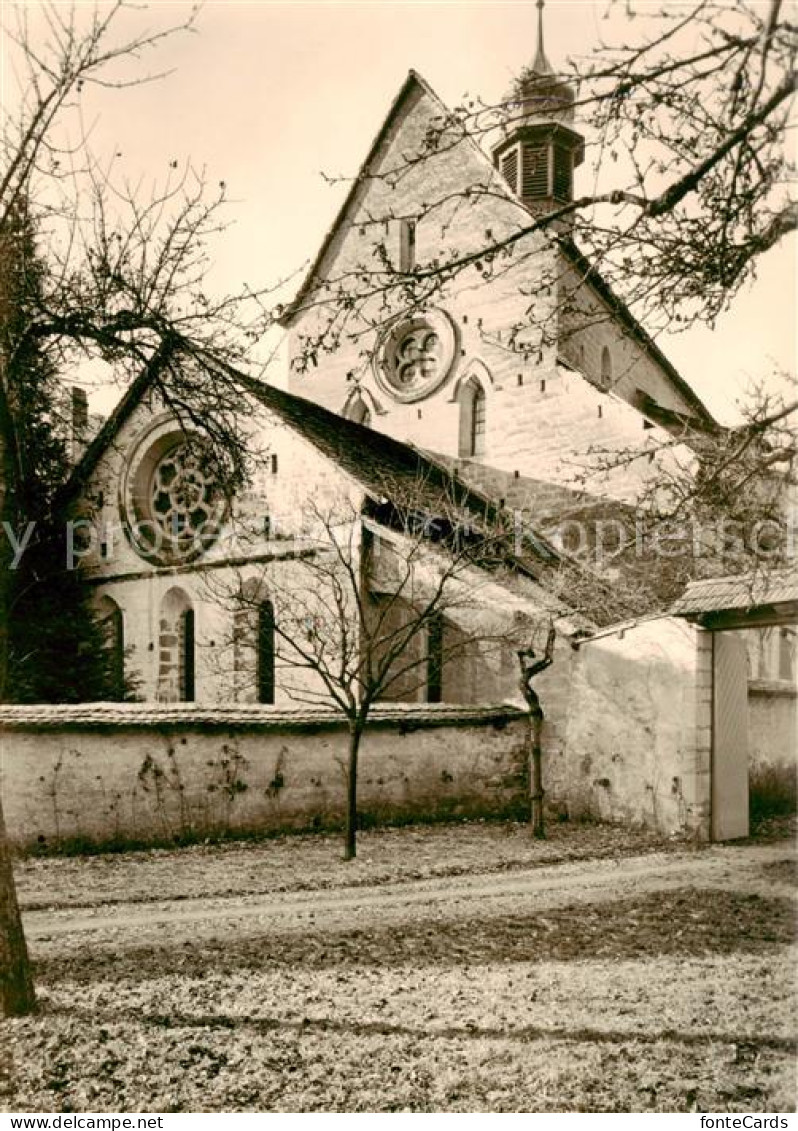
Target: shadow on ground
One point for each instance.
(685, 923)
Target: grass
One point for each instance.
(296, 863)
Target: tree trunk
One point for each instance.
(536, 775)
(17, 996)
(350, 847)
(16, 984)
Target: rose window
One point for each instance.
(416, 356)
(183, 497)
(171, 504)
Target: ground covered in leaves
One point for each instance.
(451, 969)
(311, 862)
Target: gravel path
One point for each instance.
(753, 869)
(452, 970)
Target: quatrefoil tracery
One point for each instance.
(416, 356)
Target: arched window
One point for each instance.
(177, 649)
(112, 623)
(254, 645)
(358, 411)
(187, 656)
(265, 646)
(435, 659)
(473, 419)
(606, 368)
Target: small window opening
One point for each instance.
(407, 245)
(606, 368)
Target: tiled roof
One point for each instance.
(386, 468)
(546, 499)
(189, 716)
(746, 591)
(392, 471)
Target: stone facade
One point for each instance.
(258, 534)
(533, 333)
(518, 372)
(510, 361)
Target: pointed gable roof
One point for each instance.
(414, 85)
(387, 469)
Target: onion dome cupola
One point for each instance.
(539, 149)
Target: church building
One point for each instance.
(455, 370)
(504, 373)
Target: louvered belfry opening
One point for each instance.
(563, 173)
(539, 148)
(538, 163)
(535, 180)
(509, 168)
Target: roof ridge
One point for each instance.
(413, 77)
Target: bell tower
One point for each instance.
(539, 149)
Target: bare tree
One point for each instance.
(692, 135)
(690, 183)
(119, 276)
(17, 995)
(378, 597)
(531, 665)
(721, 502)
(685, 119)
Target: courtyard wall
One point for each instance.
(107, 774)
(638, 742)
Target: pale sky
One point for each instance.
(268, 96)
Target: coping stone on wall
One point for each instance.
(182, 716)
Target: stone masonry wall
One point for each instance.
(507, 323)
(638, 740)
(105, 774)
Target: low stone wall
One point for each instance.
(135, 774)
(638, 739)
(772, 723)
